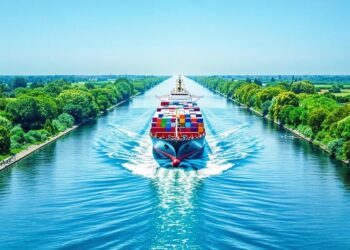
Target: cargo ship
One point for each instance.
(177, 130)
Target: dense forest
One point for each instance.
(32, 112)
(9, 79)
(322, 117)
(316, 79)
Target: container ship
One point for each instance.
(177, 130)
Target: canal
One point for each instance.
(257, 186)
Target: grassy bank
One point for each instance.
(32, 116)
(20, 153)
(318, 118)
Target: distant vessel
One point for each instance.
(177, 130)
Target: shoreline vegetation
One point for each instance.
(295, 106)
(64, 106)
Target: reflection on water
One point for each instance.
(176, 217)
(175, 187)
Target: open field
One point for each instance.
(328, 86)
(344, 92)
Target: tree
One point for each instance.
(317, 101)
(265, 107)
(17, 137)
(49, 127)
(245, 92)
(5, 142)
(285, 114)
(37, 84)
(3, 103)
(89, 85)
(346, 150)
(257, 81)
(330, 95)
(2, 89)
(66, 119)
(302, 87)
(335, 148)
(297, 115)
(19, 82)
(47, 109)
(343, 129)
(5, 123)
(56, 87)
(315, 119)
(335, 115)
(32, 112)
(234, 86)
(267, 94)
(79, 104)
(283, 85)
(248, 80)
(124, 87)
(273, 79)
(336, 88)
(284, 98)
(35, 136)
(24, 111)
(102, 102)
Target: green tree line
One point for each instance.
(295, 105)
(30, 113)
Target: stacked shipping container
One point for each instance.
(185, 116)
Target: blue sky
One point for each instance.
(175, 37)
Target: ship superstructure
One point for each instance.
(177, 129)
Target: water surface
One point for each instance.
(100, 187)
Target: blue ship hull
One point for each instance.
(178, 150)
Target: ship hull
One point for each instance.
(178, 150)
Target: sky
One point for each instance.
(174, 37)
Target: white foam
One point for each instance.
(136, 154)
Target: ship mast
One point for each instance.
(179, 85)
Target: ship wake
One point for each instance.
(134, 152)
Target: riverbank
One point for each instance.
(293, 131)
(11, 160)
(32, 148)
